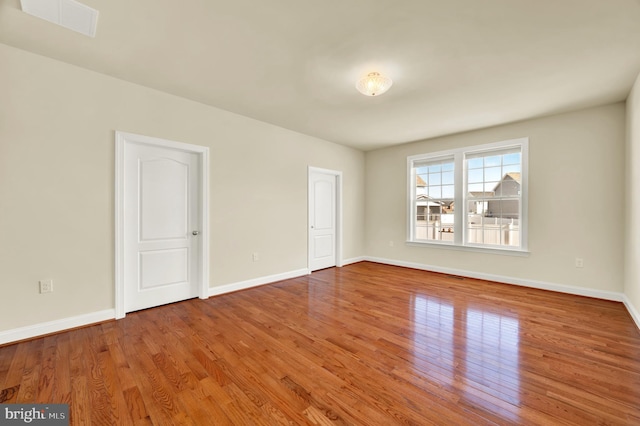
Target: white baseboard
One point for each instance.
(255, 282)
(346, 262)
(28, 332)
(542, 285)
(632, 310)
(41, 329)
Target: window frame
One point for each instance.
(433, 159)
(461, 196)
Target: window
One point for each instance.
(488, 184)
(434, 199)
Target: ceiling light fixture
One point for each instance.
(374, 84)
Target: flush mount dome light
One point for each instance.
(374, 84)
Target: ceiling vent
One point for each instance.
(67, 13)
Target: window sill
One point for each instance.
(490, 250)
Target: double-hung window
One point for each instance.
(470, 197)
(434, 199)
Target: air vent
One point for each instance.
(67, 13)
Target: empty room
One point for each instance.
(358, 212)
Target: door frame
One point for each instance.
(202, 152)
(338, 204)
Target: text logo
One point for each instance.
(34, 414)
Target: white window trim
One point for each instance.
(460, 189)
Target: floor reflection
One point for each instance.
(472, 352)
(492, 359)
(433, 337)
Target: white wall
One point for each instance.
(632, 220)
(576, 202)
(57, 125)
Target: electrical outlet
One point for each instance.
(256, 257)
(391, 244)
(46, 286)
(579, 262)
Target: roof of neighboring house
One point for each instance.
(433, 202)
(514, 175)
(475, 194)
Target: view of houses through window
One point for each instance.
(435, 193)
(493, 197)
(489, 186)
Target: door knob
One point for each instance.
(195, 232)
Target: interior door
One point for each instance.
(160, 225)
(322, 220)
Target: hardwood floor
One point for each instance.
(366, 344)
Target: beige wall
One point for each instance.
(57, 125)
(576, 193)
(632, 220)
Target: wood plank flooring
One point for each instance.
(366, 344)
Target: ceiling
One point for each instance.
(457, 65)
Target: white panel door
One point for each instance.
(322, 220)
(160, 225)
